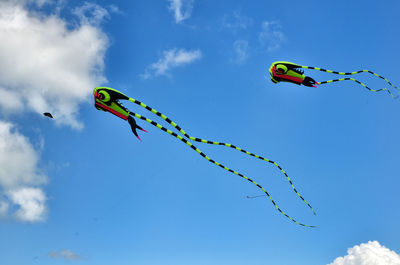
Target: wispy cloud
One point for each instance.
(4, 205)
(171, 59)
(236, 21)
(64, 254)
(271, 35)
(368, 253)
(241, 50)
(41, 69)
(92, 14)
(115, 9)
(182, 9)
(37, 2)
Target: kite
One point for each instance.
(282, 71)
(48, 114)
(107, 99)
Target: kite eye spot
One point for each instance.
(281, 69)
(103, 96)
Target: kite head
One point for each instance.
(106, 99)
(289, 72)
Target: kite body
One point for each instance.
(107, 99)
(48, 114)
(282, 71)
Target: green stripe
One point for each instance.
(218, 164)
(353, 73)
(358, 82)
(219, 143)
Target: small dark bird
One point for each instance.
(48, 114)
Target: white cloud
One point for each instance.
(182, 9)
(37, 2)
(371, 253)
(47, 66)
(18, 159)
(20, 176)
(64, 254)
(92, 14)
(236, 21)
(241, 49)
(115, 9)
(271, 35)
(31, 203)
(172, 58)
(3, 208)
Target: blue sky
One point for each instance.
(82, 189)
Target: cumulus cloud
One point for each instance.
(31, 203)
(64, 254)
(20, 176)
(241, 49)
(18, 159)
(182, 9)
(171, 59)
(371, 253)
(46, 65)
(271, 35)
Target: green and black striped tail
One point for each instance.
(187, 142)
(352, 79)
(177, 127)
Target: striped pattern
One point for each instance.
(353, 73)
(216, 163)
(220, 143)
(355, 80)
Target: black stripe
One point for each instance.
(214, 162)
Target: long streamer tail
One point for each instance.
(216, 163)
(353, 73)
(355, 80)
(177, 127)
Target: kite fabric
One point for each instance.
(282, 71)
(48, 114)
(107, 99)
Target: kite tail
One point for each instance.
(216, 163)
(176, 126)
(355, 80)
(353, 73)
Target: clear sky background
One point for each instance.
(82, 189)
